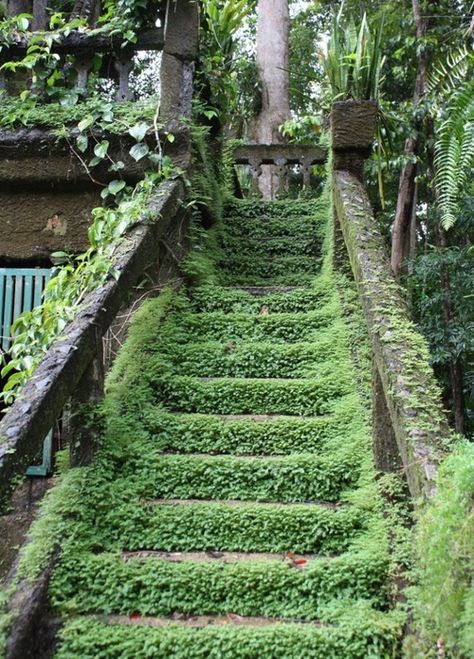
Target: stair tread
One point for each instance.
(223, 557)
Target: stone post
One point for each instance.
(177, 66)
(352, 133)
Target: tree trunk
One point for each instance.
(40, 14)
(15, 7)
(272, 63)
(406, 190)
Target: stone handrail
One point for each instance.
(71, 364)
(409, 419)
(281, 156)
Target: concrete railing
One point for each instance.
(410, 428)
(282, 157)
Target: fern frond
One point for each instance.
(454, 152)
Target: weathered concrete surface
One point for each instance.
(270, 153)
(37, 159)
(411, 393)
(177, 65)
(352, 131)
(33, 225)
(28, 420)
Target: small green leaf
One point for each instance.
(139, 151)
(116, 186)
(82, 142)
(85, 123)
(100, 150)
(138, 131)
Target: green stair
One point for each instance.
(232, 510)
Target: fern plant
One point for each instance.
(454, 147)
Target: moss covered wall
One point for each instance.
(401, 354)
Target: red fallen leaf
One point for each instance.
(135, 616)
(300, 561)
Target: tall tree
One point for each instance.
(272, 63)
(407, 184)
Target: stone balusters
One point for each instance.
(284, 157)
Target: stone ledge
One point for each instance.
(36, 157)
(411, 392)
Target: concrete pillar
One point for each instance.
(352, 134)
(177, 67)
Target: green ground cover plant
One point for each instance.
(245, 433)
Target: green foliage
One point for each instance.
(363, 634)
(353, 61)
(454, 151)
(219, 70)
(236, 396)
(450, 339)
(444, 600)
(158, 587)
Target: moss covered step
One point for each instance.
(277, 327)
(375, 635)
(254, 435)
(269, 246)
(260, 360)
(289, 278)
(235, 300)
(270, 226)
(110, 583)
(258, 210)
(193, 525)
(298, 478)
(253, 396)
(284, 267)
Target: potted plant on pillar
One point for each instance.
(353, 64)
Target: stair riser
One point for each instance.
(296, 479)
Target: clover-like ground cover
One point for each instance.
(232, 509)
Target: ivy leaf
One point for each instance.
(82, 142)
(116, 186)
(138, 131)
(100, 150)
(139, 151)
(117, 166)
(85, 123)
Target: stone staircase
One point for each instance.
(232, 510)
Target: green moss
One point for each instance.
(364, 635)
(443, 600)
(109, 584)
